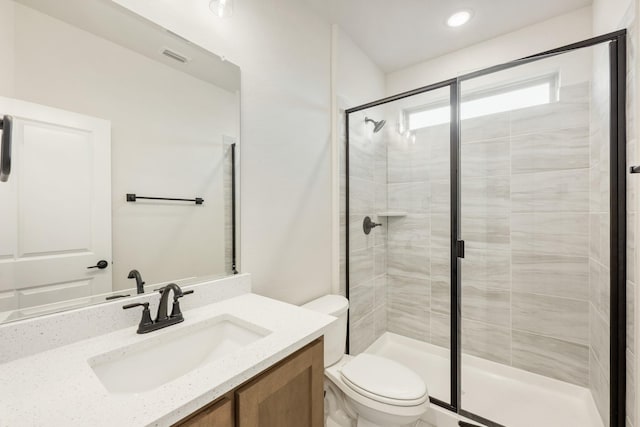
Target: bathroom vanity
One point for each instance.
(237, 359)
(294, 383)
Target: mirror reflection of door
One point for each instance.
(55, 207)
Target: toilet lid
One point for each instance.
(380, 377)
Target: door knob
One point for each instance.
(102, 264)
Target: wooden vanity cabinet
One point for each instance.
(219, 414)
(289, 394)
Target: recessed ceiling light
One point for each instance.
(459, 18)
(222, 8)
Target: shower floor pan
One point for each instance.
(506, 395)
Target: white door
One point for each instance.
(55, 208)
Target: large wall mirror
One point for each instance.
(107, 117)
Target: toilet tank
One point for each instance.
(335, 337)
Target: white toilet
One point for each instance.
(375, 391)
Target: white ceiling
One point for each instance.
(399, 33)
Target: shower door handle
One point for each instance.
(6, 125)
(460, 248)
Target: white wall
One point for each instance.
(358, 78)
(608, 15)
(6, 45)
(283, 50)
(555, 32)
(167, 132)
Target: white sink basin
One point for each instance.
(170, 354)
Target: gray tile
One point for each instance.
(408, 162)
(410, 197)
(558, 233)
(487, 232)
(439, 156)
(413, 228)
(551, 357)
(408, 260)
(440, 235)
(357, 239)
(561, 318)
(594, 237)
(599, 339)
(361, 158)
(555, 275)
(440, 296)
(361, 196)
(440, 282)
(379, 260)
(361, 300)
(631, 386)
(380, 321)
(433, 134)
(440, 196)
(491, 269)
(360, 266)
(409, 292)
(600, 391)
(486, 196)
(408, 307)
(362, 334)
(632, 254)
(596, 271)
(557, 191)
(486, 341)
(578, 93)
(380, 197)
(485, 158)
(486, 127)
(380, 291)
(550, 151)
(631, 304)
(440, 330)
(557, 115)
(486, 305)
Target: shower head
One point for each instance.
(377, 126)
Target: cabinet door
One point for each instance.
(288, 395)
(218, 414)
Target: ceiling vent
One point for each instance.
(175, 56)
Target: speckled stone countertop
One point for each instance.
(59, 388)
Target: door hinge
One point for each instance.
(460, 248)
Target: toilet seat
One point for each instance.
(384, 381)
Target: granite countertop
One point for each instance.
(59, 388)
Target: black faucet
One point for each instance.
(162, 319)
(134, 274)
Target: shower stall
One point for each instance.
(484, 225)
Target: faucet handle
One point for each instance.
(146, 321)
(137, 304)
(175, 309)
(183, 294)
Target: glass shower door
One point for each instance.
(534, 192)
(399, 270)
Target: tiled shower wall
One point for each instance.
(525, 188)
(367, 253)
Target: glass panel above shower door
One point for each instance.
(398, 259)
(534, 158)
